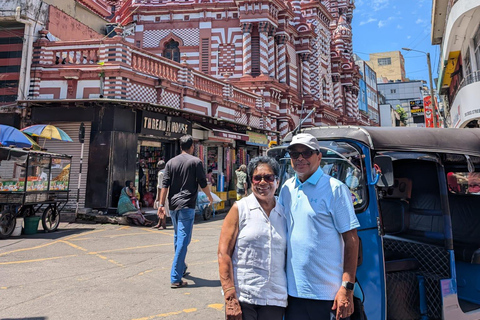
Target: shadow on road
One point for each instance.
(60, 233)
(201, 283)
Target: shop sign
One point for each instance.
(416, 107)
(162, 125)
(230, 135)
(257, 139)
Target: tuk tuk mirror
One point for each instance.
(385, 165)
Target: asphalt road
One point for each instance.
(104, 271)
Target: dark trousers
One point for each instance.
(256, 312)
(309, 309)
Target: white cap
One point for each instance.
(305, 139)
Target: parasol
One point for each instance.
(47, 131)
(10, 136)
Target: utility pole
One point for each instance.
(432, 97)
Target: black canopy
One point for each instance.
(443, 140)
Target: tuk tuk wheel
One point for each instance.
(207, 213)
(7, 224)
(50, 219)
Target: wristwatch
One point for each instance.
(161, 205)
(348, 285)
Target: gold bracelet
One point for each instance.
(228, 289)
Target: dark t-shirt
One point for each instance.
(182, 176)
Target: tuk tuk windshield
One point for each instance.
(342, 161)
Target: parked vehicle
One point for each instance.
(417, 199)
(32, 181)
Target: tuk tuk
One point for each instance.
(32, 183)
(416, 193)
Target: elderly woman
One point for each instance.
(127, 208)
(252, 249)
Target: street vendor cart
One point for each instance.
(32, 183)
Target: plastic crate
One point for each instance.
(222, 195)
(219, 205)
(232, 194)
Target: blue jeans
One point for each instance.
(182, 221)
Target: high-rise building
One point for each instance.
(389, 66)
(456, 27)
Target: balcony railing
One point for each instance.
(114, 54)
(469, 79)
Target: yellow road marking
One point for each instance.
(3, 288)
(37, 260)
(74, 245)
(168, 314)
(132, 248)
(216, 306)
(124, 227)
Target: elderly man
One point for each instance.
(322, 242)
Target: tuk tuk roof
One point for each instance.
(20, 151)
(443, 140)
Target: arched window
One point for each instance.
(171, 51)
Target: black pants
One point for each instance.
(256, 312)
(309, 309)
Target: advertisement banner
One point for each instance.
(427, 105)
(416, 107)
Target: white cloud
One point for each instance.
(381, 23)
(399, 26)
(367, 21)
(379, 4)
(408, 37)
(419, 21)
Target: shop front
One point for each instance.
(157, 140)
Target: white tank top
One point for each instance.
(259, 255)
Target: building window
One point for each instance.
(476, 45)
(255, 56)
(219, 16)
(384, 61)
(157, 19)
(393, 90)
(235, 15)
(186, 17)
(205, 55)
(172, 51)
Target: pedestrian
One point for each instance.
(181, 178)
(241, 186)
(127, 206)
(162, 215)
(252, 249)
(474, 183)
(322, 242)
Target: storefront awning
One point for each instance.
(230, 135)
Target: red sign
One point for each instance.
(428, 110)
(230, 135)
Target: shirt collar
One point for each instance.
(313, 178)
(252, 203)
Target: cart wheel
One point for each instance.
(50, 219)
(207, 213)
(7, 224)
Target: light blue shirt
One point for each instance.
(318, 211)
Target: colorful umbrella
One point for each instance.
(10, 136)
(47, 131)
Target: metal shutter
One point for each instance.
(74, 149)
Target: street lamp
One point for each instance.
(432, 98)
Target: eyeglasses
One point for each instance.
(270, 178)
(305, 154)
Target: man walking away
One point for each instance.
(322, 242)
(181, 178)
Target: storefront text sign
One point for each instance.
(163, 125)
(257, 139)
(230, 135)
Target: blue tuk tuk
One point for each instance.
(416, 193)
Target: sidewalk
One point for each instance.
(96, 216)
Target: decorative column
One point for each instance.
(263, 28)
(247, 48)
(337, 94)
(282, 58)
(306, 74)
(348, 103)
(271, 52)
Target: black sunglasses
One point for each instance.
(267, 177)
(305, 154)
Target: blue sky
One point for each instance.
(389, 25)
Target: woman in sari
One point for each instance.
(128, 209)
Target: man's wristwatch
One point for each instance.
(348, 285)
(161, 205)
